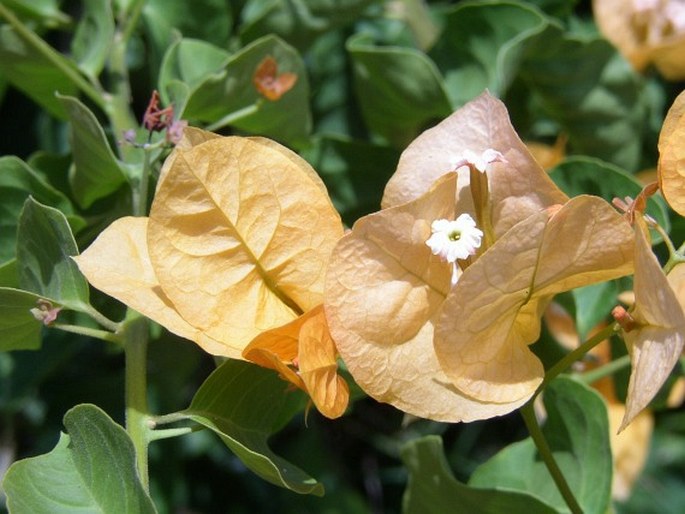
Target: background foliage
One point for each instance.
(372, 75)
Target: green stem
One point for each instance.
(166, 419)
(101, 319)
(604, 371)
(140, 192)
(576, 354)
(53, 56)
(90, 332)
(235, 116)
(173, 432)
(528, 413)
(137, 416)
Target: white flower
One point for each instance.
(452, 240)
(479, 162)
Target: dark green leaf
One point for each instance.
(400, 90)
(577, 430)
(244, 404)
(433, 489)
(19, 329)
(97, 172)
(482, 45)
(355, 173)
(595, 96)
(18, 181)
(45, 246)
(299, 22)
(210, 20)
(45, 11)
(94, 36)
(230, 93)
(593, 304)
(585, 175)
(33, 73)
(92, 469)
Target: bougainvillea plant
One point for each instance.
(280, 246)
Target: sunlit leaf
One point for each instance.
(432, 488)
(92, 469)
(244, 404)
(229, 94)
(671, 170)
(657, 341)
(493, 313)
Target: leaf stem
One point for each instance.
(101, 319)
(52, 55)
(528, 413)
(103, 335)
(608, 369)
(576, 354)
(136, 332)
(168, 433)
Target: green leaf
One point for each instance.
(92, 469)
(94, 36)
(400, 90)
(33, 73)
(354, 172)
(46, 11)
(577, 430)
(244, 404)
(44, 249)
(97, 172)
(586, 87)
(19, 329)
(585, 175)
(190, 61)
(18, 181)
(432, 488)
(298, 22)
(482, 45)
(593, 305)
(230, 91)
(210, 20)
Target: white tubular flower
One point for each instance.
(452, 240)
(479, 162)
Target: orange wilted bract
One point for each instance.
(269, 83)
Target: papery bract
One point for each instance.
(657, 343)
(518, 185)
(383, 291)
(493, 313)
(646, 32)
(230, 246)
(304, 354)
(671, 166)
